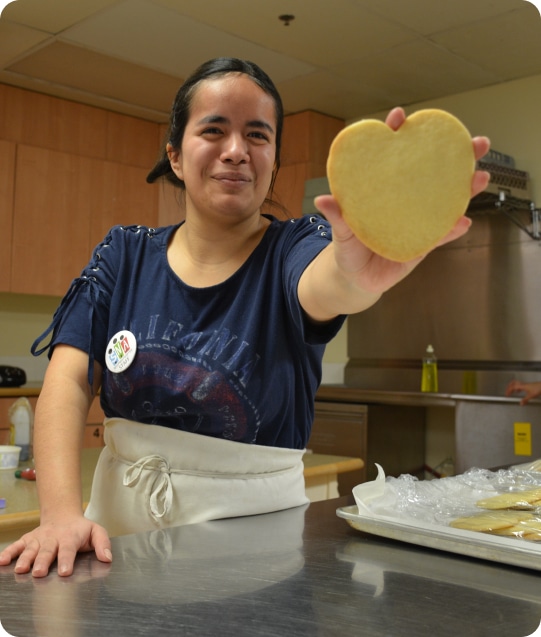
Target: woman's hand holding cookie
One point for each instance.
(400, 189)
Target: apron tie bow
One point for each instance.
(161, 495)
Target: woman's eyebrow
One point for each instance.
(257, 123)
(220, 119)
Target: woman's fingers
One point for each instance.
(395, 118)
(481, 146)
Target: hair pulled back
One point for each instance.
(180, 112)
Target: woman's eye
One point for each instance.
(259, 135)
(212, 131)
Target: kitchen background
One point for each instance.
(334, 63)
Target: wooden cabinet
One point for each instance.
(123, 198)
(40, 120)
(68, 172)
(133, 142)
(392, 436)
(341, 429)
(35, 119)
(54, 202)
(306, 139)
(64, 205)
(93, 436)
(7, 181)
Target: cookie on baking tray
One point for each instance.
(490, 521)
(506, 523)
(525, 500)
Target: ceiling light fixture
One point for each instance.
(286, 18)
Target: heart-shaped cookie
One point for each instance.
(402, 191)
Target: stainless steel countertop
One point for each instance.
(298, 572)
(348, 393)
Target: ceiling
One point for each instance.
(344, 58)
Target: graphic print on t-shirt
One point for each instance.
(190, 381)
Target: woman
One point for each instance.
(206, 338)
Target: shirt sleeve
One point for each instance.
(308, 236)
(81, 319)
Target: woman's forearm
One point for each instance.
(325, 293)
(61, 415)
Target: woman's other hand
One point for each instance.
(37, 550)
(530, 390)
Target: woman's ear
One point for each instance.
(174, 160)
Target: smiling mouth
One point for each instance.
(232, 178)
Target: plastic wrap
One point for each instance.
(423, 512)
(505, 502)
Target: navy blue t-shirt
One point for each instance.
(238, 360)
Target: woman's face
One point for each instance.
(228, 151)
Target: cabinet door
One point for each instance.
(55, 197)
(340, 429)
(93, 436)
(7, 179)
(124, 198)
(289, 189)
(64, 206)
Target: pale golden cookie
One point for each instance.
(528, 529)
(534, 536)
(518, 500)
(488, 522)
(533, 522)
(402, 191)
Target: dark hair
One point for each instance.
(180, 111)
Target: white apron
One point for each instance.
(150, 477)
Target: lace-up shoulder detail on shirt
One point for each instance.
(94, 288)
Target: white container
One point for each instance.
(9, 457)
(21, 419)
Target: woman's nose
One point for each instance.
(235, 149)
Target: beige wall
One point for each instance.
(507, 113)
(22, 319)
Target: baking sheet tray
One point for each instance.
(506, 550)
(371, 562)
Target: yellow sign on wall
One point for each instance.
(523, 439)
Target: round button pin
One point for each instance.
(120, 351)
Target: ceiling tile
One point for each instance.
(430, 16)
(323, 33)
(52, 15)
(97, 74)
(417, 71)
(332, 95)
(158, 38)
(509, 45)
(16, 39)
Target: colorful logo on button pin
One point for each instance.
(120, 351)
